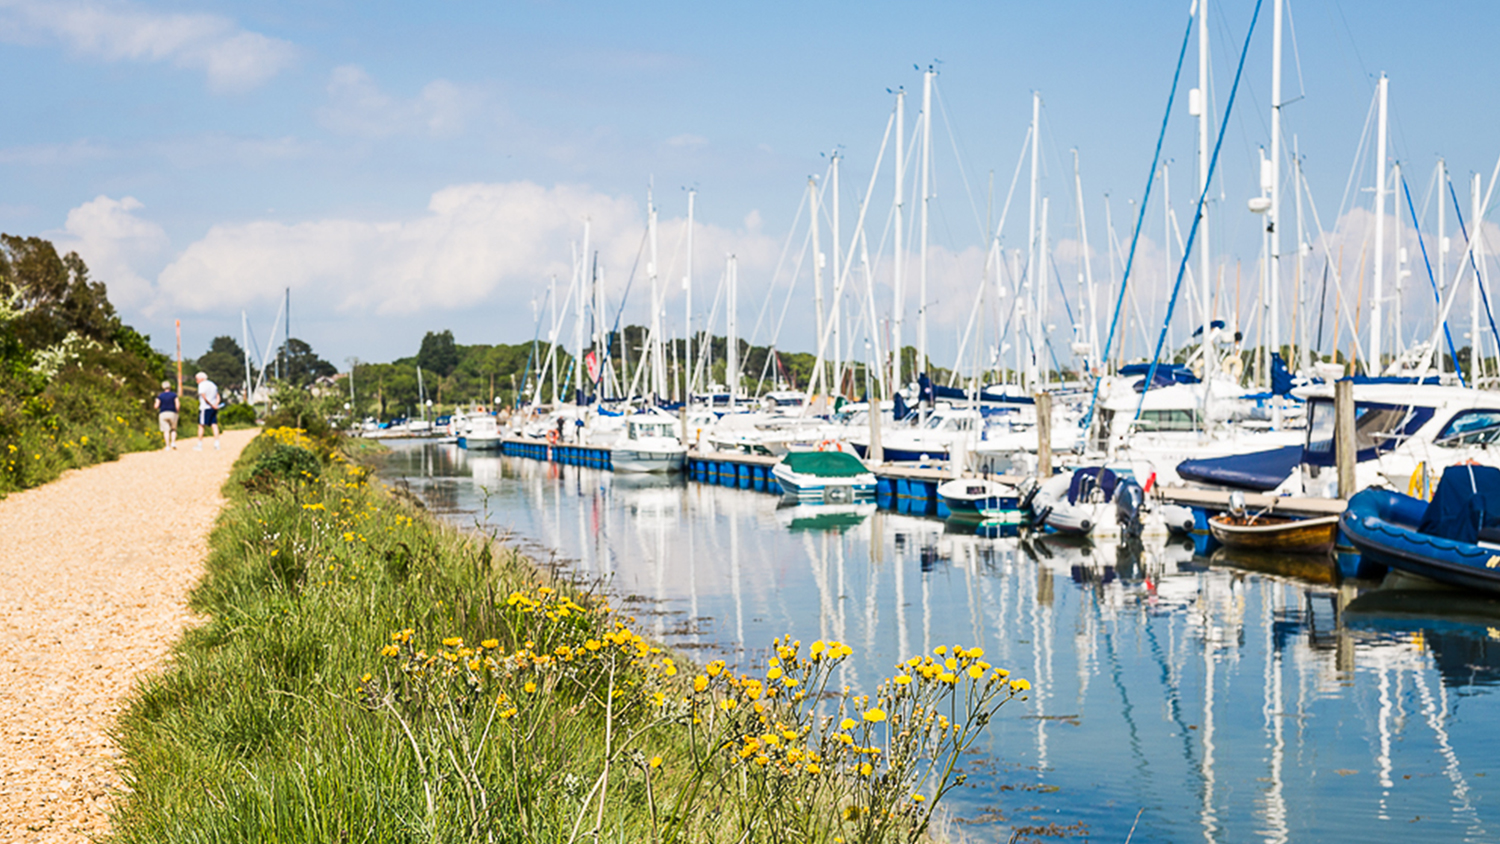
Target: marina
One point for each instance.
(1223, 696)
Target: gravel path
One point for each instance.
(95, 569)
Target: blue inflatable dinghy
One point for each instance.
(1454, 539)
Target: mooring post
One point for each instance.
(1345, 457)
(1043, 435)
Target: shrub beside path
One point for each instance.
(95, 570)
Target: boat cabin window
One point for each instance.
(1319, 426)
(1180, 419)
(1377, 427)
(1471, 427)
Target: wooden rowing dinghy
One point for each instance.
(1275, 533)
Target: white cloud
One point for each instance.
(357, 106)
(477, 246)
(232, 58)
(114, 242)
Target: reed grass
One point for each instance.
(368, 674)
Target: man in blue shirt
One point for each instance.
(166, 414)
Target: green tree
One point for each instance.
(300, 365)
(438, 353)
(224, 362)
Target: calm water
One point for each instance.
(1223, 700)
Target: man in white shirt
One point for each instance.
(208, 409)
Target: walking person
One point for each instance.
(208, 408)
(166, 415)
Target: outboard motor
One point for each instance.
(1130, 501)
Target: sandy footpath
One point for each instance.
(95, 569)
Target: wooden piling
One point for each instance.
(1345, 457)
(1044, 435)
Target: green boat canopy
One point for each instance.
(824, 464)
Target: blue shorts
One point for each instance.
(208, 416)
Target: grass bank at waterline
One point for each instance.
(367, 674)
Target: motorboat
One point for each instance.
(978, 498)
(649, 444)
(833, 477)
(1453, 539)
(1402, 430)
(480, 433)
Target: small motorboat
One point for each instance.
(1264, 532)
(972, 498)
(1453, 539)
(833, 477)
(481, 433)
(650, 445)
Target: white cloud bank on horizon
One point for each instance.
(492, 244)
(490, 248)
(233, 58)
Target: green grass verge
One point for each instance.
(367, 674)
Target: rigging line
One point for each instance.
(1141, 218)
(1483, 292)
(1322, 303)
(535, 336)
(1296, 52)
(781, 261)
(1213, 164)
(1057, 276)
(620, 311)
(1437, 297)
(1338, 277)
(1360, 150)
(1432, 185)
(953, 142)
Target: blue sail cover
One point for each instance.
(1167, 374)
(1281, 378)
(1260, 471)
(1466, 506)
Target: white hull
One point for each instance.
(630, 459)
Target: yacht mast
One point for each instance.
(578, 309)
(898, 288)
(1475, 361)
(732, 353)
(1091, 336)
(1198, 107)
(1033, 371)
(817, 262)
(926, 201)
(687, 307)
(838, 273)
(654, 331)
(1372, 362)
(1273, 218)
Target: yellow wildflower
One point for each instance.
(874, 716)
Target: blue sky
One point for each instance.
(408, 167)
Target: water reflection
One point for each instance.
(1228, 698)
